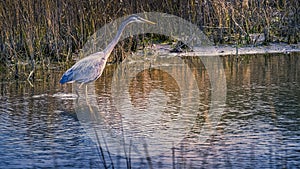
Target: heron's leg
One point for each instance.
(86, 91)
(81, 85)
(86, 94)
(77, 88)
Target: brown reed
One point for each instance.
(40, 32)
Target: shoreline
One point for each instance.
(225, 50)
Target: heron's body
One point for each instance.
(86, 70)
(91, 67)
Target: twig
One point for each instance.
(244, 32)
(29, 82)
(148, 158)
(29, 76)
(173, 156)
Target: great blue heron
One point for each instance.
(91, 67)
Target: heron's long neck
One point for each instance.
(114, 42)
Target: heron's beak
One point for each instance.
(147, 21)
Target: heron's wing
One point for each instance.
(88, 72)
(84, 71)
(67, 76)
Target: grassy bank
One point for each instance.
(47, 31)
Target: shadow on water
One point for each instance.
(143, 127)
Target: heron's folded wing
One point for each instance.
(67, 76)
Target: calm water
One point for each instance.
(140, 115)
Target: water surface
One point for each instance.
(154, 123)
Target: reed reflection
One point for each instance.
(150, 80)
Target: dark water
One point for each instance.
(157, 116)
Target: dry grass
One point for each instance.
(47, 31)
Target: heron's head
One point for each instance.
(136, 18)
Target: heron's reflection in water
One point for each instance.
(151, 120)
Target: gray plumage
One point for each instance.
(91, 67)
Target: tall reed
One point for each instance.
(39, 32)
